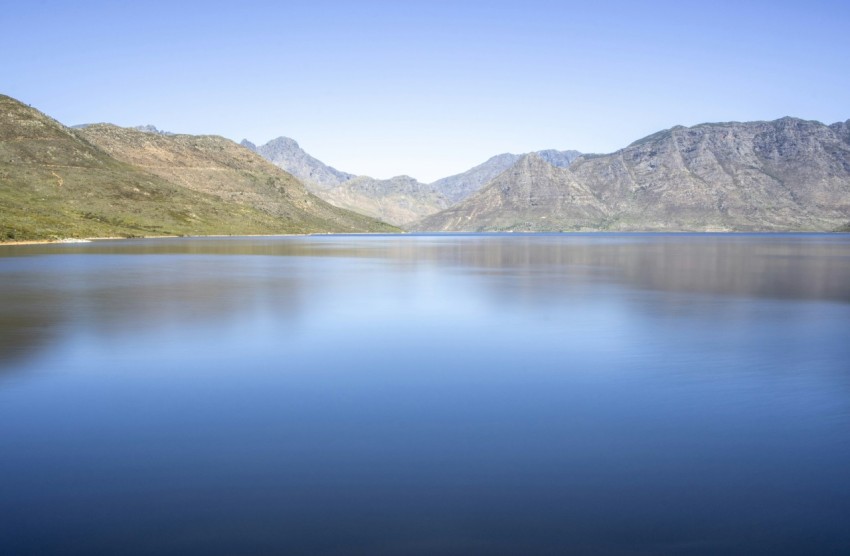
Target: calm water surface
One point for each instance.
(516, 394)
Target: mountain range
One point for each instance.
(104, 180)
(787, 174)
(399, 200)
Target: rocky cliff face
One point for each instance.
(842, 129)
(788, 174)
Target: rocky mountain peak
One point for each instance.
(287, 154)
(283, 143)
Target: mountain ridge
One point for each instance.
(287, 154)
(786, 174)
(215, 165)
(100, 179)
(398, 200)
(55, 182)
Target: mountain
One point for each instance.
(530, 195)
(460, 186)
(55, 182)
(561, 159)
(216, 166)
(398, 200)
(787, 174)
(285, 153)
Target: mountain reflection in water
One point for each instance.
(494, 394)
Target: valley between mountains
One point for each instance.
(103, 180)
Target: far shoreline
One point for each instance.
(80, 241)
(73, 241)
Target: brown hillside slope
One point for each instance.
(217, 166)
(54, 183)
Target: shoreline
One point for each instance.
(72, 241)
(68, 241)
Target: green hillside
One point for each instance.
(56, 184)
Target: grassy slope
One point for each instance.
(56, 184)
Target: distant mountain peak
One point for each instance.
(285, 142)
(286, 153)
(151, 129)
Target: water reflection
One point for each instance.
(593, 394)
(126, 295)
(180, 282)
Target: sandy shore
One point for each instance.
(56, 241)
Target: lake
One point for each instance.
(427, 394)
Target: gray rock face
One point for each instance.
(530, 195)
(842, 129)
(460, 186)
(788, 174)
(287, 154)
(561, 159)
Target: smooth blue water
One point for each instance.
(509, 394)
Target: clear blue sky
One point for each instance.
(427, 88)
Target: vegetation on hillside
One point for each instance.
(54, 183)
